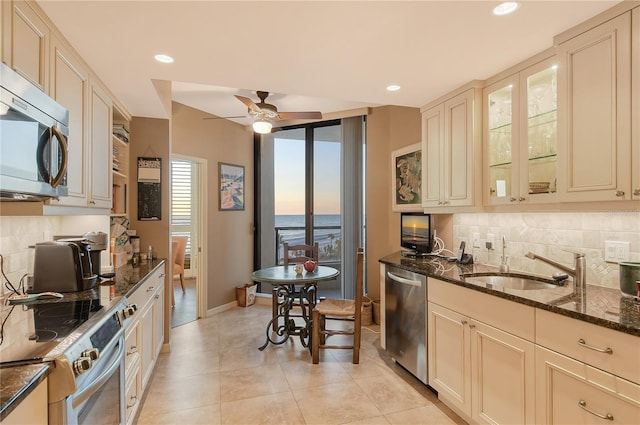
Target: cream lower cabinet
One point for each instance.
(482, 372)
(144, 337)
(570, 392)
(33, 410)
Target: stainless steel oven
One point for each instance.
(98, 369)
(83, 340)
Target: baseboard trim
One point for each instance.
(221, 308)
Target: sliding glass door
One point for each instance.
(302, 196)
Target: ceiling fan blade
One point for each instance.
(224, 118)
(249, 103)
(300, 115)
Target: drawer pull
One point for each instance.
(607, 350)
(150, 288)
(133, 350)
(471, 326)
(161, 275)
(463, 322)
(583, 406)
(134, 399)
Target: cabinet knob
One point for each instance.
(471, 326)
(150, 288)
(636, 192)
(161, 275)
(491, 191)
(620, 193)
(157, 296)
(92, 202)
(445, 203)
(512, 199)
(522, 198)
(132, 350)
(464, 322)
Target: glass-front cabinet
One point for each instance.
(521, 136)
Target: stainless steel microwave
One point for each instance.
(33, 141)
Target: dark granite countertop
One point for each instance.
(16, 382)
(601, 306)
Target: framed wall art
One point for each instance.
(231, 179)
(406, 178)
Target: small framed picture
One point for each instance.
(231, 179)
(406, 178)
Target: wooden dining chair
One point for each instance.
(339, 309)
(293, 254)
(178, 258)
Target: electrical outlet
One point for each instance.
(491, 239)
(476, 239)
(616, 251)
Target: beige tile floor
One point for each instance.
(215, 374)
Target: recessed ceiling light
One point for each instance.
(164, 58)
(506, 8)
(393, 87)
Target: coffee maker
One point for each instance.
(96, 241)
(63, 266)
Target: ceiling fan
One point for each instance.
(265, 114)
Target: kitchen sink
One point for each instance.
(511, 281)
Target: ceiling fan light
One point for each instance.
(262, 126)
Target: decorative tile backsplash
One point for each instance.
(18, 233)
(553, 235)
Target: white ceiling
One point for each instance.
(314, 55)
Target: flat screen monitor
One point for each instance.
(415, 232)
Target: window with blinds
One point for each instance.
(181, 203)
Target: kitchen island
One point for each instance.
(17, 382)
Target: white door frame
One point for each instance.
(201, 228)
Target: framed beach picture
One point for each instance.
(231, 179)
(406, 178)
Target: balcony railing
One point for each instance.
(329, 240)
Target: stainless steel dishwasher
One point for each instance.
(406, 319)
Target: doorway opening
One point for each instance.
(187, 224)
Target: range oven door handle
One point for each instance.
(91, 389)
(404, 280)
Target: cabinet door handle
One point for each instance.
(583, 406)
(582, 343)
(162, 275)
(132, 351)
(471, 326)
(157, 296)
(445, 203)
(92, 202)
(134, 399)
(619, 193)
(464, 322)
(636, 192)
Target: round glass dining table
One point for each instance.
(292, 289)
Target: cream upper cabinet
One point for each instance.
(451, 142)
(635, 103)
(25, 38)
(70, 87)
(520, 148)
(100, 148)
(594, 105)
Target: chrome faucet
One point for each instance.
(504, 263)
(578, 272)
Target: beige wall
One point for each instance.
(230, 233)
(388, 128)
